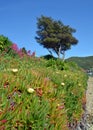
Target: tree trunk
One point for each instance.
(63, 57)
(59, 52)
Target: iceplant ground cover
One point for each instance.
(40, 94)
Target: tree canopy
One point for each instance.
(54, 35)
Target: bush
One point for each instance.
(56, 64)
(4, 43)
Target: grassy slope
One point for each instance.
(57, 97)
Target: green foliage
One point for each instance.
(5, 43)
(54, 35)
(48, 57)
(56, 64)
(84, 62)
(39, 94)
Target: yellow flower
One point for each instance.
(62, 84)
(30, 90)
(58, 105)
(14, 70)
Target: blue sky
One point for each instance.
(18, 20)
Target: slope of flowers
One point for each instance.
(35, 94)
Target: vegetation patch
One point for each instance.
(40, 94)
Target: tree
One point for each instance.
(5, 43)
(54, 35)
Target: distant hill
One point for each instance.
(84, 62)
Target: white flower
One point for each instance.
(57, 72)
(30, 90)
(62, 84)
(14, 70)
(79, 85)
(65, 75)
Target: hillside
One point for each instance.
(84, 62)
(40, 94)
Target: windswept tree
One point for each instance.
(5, 43)
(54, 35)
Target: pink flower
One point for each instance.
(4, 121)
(15, 47)
(20, 52)
(33, 54)
(60, 106)
(29, 53)
(6, 84)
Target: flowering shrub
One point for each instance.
(21, 52)
(33, 96)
